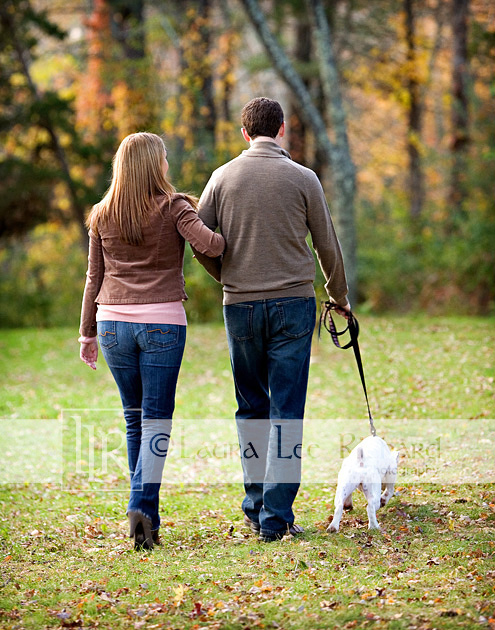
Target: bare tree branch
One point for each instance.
(288, 73)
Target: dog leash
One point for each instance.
(326, 320)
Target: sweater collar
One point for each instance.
(266, 149)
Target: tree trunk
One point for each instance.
(210, 119)
(343, 174)
(128, 27)
(228, 49)
(416, 177)
(460, 101)
(297, 127)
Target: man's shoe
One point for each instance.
(254, 527)
(293, 530)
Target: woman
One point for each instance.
(133, 303)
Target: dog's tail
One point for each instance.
(360, 456)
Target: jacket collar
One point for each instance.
(266, 149)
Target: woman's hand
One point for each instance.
(89, 352)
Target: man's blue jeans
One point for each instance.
(145, 361)
(270, 347)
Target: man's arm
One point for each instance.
(212, 265)
(326, 244)
(207, 213)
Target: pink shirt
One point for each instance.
(154, 313)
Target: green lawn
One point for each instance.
(66, 561)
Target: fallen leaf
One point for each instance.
(326, 605)
(435, 561)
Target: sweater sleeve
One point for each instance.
(207, 214)
(207, 205)
(94, 279)
(326, 243)
(192, 228)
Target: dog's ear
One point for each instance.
(397, 455)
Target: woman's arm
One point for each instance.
(94, 279)
(190, 226)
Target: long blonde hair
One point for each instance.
(137, 178)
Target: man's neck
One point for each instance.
(264, 139)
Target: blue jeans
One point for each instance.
(270, 347)
(145, 360)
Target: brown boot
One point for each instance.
(140, 530)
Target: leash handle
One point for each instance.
(326, 320)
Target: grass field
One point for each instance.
(65, 559)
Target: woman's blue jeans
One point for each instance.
(270, 347)
(145, 360)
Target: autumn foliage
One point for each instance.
(416, 83)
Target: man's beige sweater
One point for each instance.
(265, 204)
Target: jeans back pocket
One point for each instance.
(162, 335)
(239, 321)
(107, 334)
(297, 316)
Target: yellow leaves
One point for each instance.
(17, 80)
(179, 594)
(415, 140)
(367, 596)
(260, 586)
(64, 204)
(450, 613)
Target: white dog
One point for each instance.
(368, 466)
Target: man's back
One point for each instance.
(264, 204)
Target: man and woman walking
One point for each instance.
(250, 234)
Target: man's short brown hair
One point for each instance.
(262, 117)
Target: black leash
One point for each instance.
(326, 320)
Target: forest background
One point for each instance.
(392, 103)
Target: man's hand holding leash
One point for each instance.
(344, 311)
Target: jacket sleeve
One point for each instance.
(94, 279)
(190, 226)
(326, 243)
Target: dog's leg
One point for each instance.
(387, 494)
(348, 506)
(343, 494)
(390, 478)
(372, 493)
(337, 515)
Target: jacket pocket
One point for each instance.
(107, 334)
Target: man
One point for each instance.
(265, 204)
